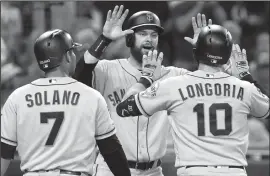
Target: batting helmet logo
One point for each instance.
(142, 19)
(149, 17)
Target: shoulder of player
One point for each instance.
(86, 89)
(172, 80)
(111, 63)
(89, 90)
(175, 70)
(115, 61)
(249, 87)
(245, 83)
(20, 91)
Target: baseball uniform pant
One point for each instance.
(211, 171)
(102, 170)
(53, 173)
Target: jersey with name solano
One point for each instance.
(54, 123)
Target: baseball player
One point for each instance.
(208, 108)
(139, 136)
(49, 120)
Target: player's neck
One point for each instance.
(55, 73)
(208, 68)
(135, 63)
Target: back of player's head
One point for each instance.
(142, 20)
(214, 45)
(50, 47)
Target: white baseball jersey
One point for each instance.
(208, 114)
(140, 137)
(54, 122)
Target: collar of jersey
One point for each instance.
(129, 68)
(54, 81)
(203, 74)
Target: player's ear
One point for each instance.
(68, 57)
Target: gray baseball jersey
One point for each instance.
(140, 137)
(208, 115)
(54, 122)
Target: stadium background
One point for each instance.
(22, 22)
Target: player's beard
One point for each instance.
(138, 53)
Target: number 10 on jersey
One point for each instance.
(213, 120)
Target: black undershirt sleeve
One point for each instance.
(7, 151)
(113, 153)
(128, 108)
(250, 79)
(84, 72)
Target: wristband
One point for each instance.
(244, 74)
(99, 46)
(145, 81)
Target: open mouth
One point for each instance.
(147, 47)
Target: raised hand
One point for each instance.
(112, 28)
(237, 65)
(201, 22)
(151, 66)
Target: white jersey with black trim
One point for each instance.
(208, 115)
(55, 122)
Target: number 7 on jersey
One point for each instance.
(59, 117)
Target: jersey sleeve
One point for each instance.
(155, 98)
(259, 103)
(104, 124)
(9, 122)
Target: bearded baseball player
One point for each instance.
(208, 108)
(50, 123)
(139, 136)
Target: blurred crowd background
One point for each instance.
(23, 21)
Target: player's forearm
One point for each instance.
(87, 64)
(97, 49)
(113, 154)
(250, 79)
(136, 88)
(4, 166)
(128, 108)
(84, 72)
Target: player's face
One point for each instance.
(145, 40)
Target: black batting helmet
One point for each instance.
(214, 45)
(50, 47)
(142, 20)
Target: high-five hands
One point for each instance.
(151, 66)
(201, 22)
(112, 28)
(237, 65)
